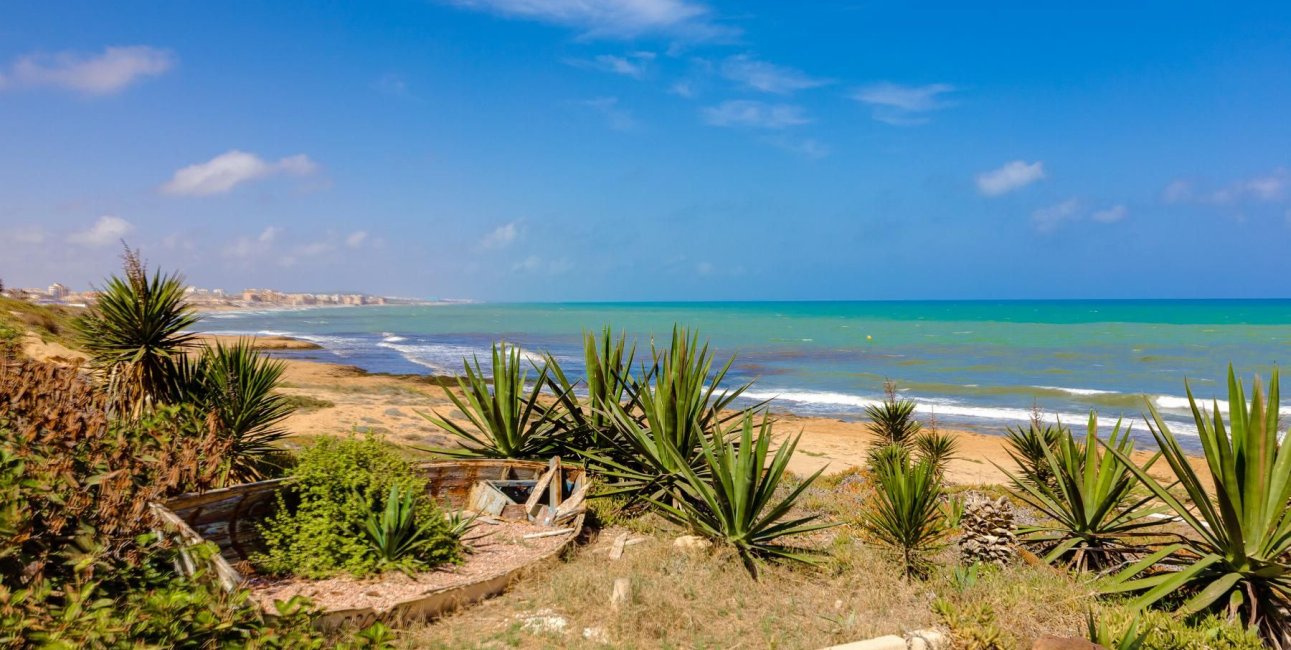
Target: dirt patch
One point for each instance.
(498, 549)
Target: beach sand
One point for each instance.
(339, 400)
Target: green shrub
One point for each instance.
(1027, 447)
(1119, 627)
(320, 526)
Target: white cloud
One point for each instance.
(1046, 219)
(1272, 187)
(356, 239)
(29, 235)
(244, 247)
(101, 74)
(501, 237)
(107, 230)
(806, 147)
(616, 117)
(683, 89)
(747, 113)
(903, 105)
(228, 170)
(1110, 215)
(1012, 176)
(612, 18)
(768, 77)
(634, 64)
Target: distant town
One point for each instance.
(59, 294)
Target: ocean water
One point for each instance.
(973, 364)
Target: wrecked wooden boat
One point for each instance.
(549, 497)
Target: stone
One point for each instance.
(692, 543)
(621, 593)
(544, 621)
(889, 642)
(596, 635)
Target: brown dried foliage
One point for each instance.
(94, 476)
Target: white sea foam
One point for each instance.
(1178, 403)
(1078, 391)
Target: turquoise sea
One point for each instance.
(974, 364)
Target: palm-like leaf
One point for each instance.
(235, 386)
(396, 537)
(906, 514)
(892, 420)
(937, 447)
(507, 420)
(670, 411)
(733, 501)
(608, 361)
(135, 332)
(1027, 448)
(1236, 557)
(1092, 503)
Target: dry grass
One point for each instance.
(685, 599)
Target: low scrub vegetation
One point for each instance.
(353, 505)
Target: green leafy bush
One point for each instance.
(1124, 628)
(320, 527)
(1027, 447)
(892, 420)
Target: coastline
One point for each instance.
(339, 399)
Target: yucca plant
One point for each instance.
(938, 447)
(608, 362)
(1027, 447)
(397, 538)
(734, 500)
(888, 455)
(507, 419)
(135, 332)
(906, 513)
(659, 430)
(1235, 558)
(892, 420)
(1093, 505)
(235, 387)
(1132, 638)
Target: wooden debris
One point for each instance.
(549, 533)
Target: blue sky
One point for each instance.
(652, 149)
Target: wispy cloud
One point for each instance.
(101, 74)
(754, 114)
(105, 231)
(535, 264)
(501, 237)
(1049, 218)
(612, 18)
(903, 105)
(228, 170)
(1012, 176)
(1110, 215)
(633, 64)
(768, 77)
(616, 117)
(1271, 187)
(805, 147)
(245, 247)
(356, 239)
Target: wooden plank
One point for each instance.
(549, 533)
(554, 496)
(620, 543)
(532, 505)
(571, 506)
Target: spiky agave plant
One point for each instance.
(660, 429)
(938, 447)
(608, 361)
(135, 332)
(400, 539)
(1093, 507)
(734, 500)
(507, 419)
(1027, 448)
(906, 514)
(1237, 556)
(892, 420)
(235, 386)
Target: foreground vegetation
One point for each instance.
(1120, 555)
